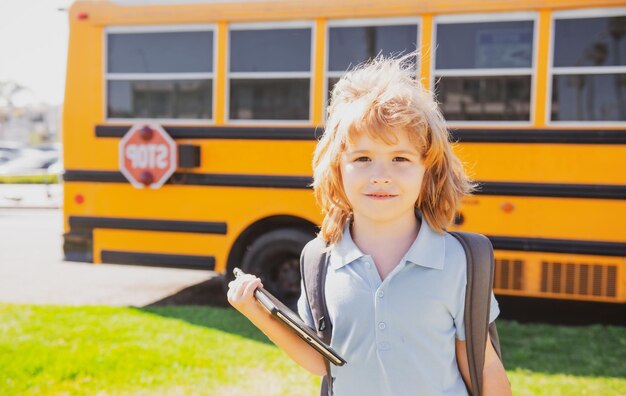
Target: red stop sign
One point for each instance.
(148, 155)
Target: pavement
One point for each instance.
(32, 269)
(31, 196)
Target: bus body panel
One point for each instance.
(122, 202)
(545, 163)
(544, 217)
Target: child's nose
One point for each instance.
(380, 175)
(380, 180)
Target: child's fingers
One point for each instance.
(232, 288)
(251, 287)
(237, 287)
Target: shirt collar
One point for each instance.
(428, 249)
(345, 251)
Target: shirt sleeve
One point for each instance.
(494, 309)
(304, 311)
(459, 320)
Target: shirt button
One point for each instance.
(382, 325)
(381, 294)
(367, 264)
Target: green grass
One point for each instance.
(183, 350)
(211, 351)
(35, 179)
(564, 360)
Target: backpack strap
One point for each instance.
(480, 272)
(313, 268)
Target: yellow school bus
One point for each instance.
(534, 92)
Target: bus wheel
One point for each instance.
(275, 258)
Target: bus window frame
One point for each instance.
(579, 14)
(363, 22)
(213, 76)
(273, 25)
(522, 16)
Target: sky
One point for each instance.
(33, 48)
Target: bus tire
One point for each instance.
(275, 258)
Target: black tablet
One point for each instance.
(293, 321)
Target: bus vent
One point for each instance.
(509, 274)
(581, 279)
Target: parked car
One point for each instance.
(56, 168)
(10, 150)
(29, 161)
(4, 157)
(49, 147)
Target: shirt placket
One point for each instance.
(381, 321)
(382, 314)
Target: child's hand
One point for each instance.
(241, 294)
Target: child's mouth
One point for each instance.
(381, 196)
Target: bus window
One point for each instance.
(164, 75)
(352, 42)
(589, 68)
(269, 73)
(483, 70)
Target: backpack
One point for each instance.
(480, 272)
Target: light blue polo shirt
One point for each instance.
(397, 335)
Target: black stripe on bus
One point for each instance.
(561, 136)
(220, 132)
(595, 191)
(559, 246)
(231, 180)
(198, 179)
(159, 260)
(89, 223)
(94, 176)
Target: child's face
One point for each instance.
(382, 182)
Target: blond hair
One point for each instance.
(375, 98)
